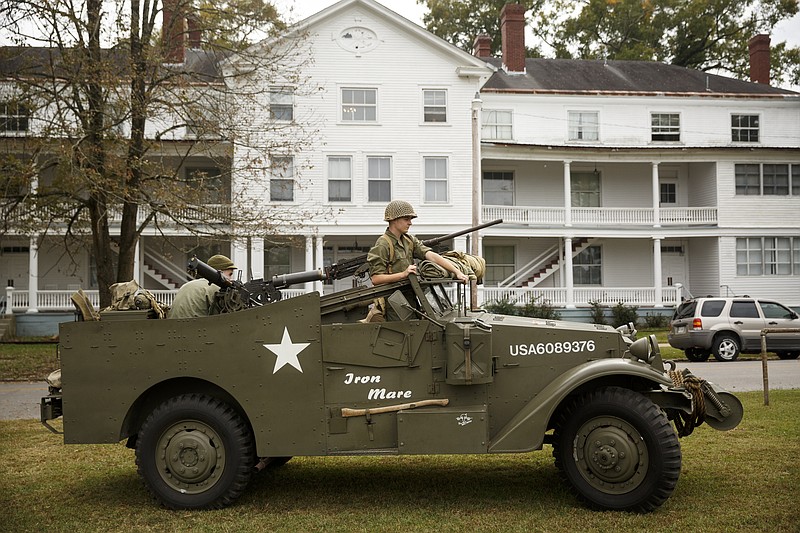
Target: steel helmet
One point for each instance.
(397, 209)
(220, 262)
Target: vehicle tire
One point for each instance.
(618, 450)
(697, 355)
(195, 452)
(726, 348)
(787, 356)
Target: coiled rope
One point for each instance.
(686, 422)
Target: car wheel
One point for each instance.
(726, 348)
(788, 355)
(195, 452)
(696, 355)
(618, 450)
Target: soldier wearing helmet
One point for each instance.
(392, 257)
(198, 297)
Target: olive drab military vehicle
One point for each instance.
(207, 402)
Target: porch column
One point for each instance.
(137, 259)
(309, 285)
(320, 243)
(656, 198)
(567, 195)
(33, 276)
(657, 271)
(257, 258)
(460, 244)
(240, 254)
(570, 303)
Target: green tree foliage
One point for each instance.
(698, 34)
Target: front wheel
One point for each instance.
(195, 452)
(726, 348)
(618, 450)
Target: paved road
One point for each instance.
(21, 399)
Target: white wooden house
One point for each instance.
(632, 182)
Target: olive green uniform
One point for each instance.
(195, 298)
(390, 255)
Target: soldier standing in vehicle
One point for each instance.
(392, 257)
(198, 297)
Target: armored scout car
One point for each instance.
(206, 402)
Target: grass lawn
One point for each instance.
(742, 480)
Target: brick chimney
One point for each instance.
(173, 31)
(482, 46)
(512, 31)
(759, 59)
(195, 33)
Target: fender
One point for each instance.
(525, 431)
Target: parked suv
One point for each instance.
(727, 327)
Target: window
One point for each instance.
(768, 256)
(277, 261)
(744, 128)
(209, 181)
(14, 118)
(359, 105)
(767, 179)
(340, 179)
(498, 188)
(435, 179)
(669, 193)
(712, 308)
(748, 179)
(585, 189)
(583, 126)
(499, 263)
(281, 103)
(775, 310)
(587, 267)
(665, 126)
(496, 125)
(744, 309)
(434, 105)
(379, 179)
(776, 180)
(281, 185)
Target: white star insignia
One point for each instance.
(287, 351)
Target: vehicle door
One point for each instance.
(779, 316)
(745, 318)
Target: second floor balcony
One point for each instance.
(603, 216)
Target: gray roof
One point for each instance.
(633, 77)
(22, 61)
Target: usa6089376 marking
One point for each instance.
(548, 348)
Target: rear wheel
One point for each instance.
(726, 348)
(618, 450)
(696, 355)
(195, 452)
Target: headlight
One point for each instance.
(644, 349)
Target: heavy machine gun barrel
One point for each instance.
(211, 274)
(284, 280)
(350, 267)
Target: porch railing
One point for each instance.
(603, 216)
(18, 301)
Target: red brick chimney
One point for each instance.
(173, 31)
(512, 31)
(195, 33)
(759, 59)
(482, 46)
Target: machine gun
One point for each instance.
(235, 295)
(357, 265)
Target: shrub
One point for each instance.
(622, 314)
(503, 306)
(655, 321)
(597, 313)
(540, 308)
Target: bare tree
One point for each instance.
(113, 108)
